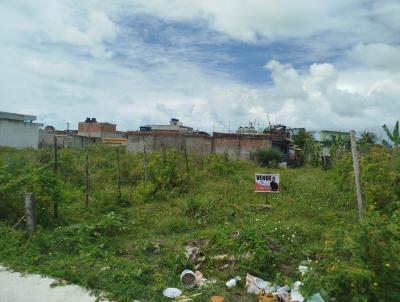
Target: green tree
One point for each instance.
(393, 136)
(337, 145)
(367, 138)
(301, 138)
(310, 148)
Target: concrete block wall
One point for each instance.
(66, 141)
(227, 145)
(248, 145)
(19, 134)
(156, 141)
(236, 146)
(200, 144)
(239, 146)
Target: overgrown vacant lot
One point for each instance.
(131, 245)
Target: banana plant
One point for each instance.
(393, 136)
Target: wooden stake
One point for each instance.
(145, 164)
(55, 155)
(187, 162)
(360, 201)
(164, 151)
(87, 177)
(29, 213)
(118, 175)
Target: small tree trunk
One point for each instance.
(187, 162)
(145, 164)
(55, 155)
(164, 151)
(29, 213)
(87, 178)
(118, 175)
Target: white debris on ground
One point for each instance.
(172, 292)
(303, 269)
(15, 287)
(260, 287)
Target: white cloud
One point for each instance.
(276, 19)
(377, 55)
(66, 22)
(57, 62)
(99, 28)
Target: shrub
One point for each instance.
(267, 157)
(110, 224)
(296, 162)
(192, 206)
(362, 264)
(221, 164)
(380, 176)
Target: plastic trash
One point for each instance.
(284, 288)
(171, 292)
(217, 298)
(315, 298)
(232, 283)
(282, 293)
(295, 294)
(200, 280)
(188, 278)
(255, 285)
(192, 253)
(267, 298)
(296, 285)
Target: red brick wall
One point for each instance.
(96, 127)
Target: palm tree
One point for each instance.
(337, 145)
(393, 136)
(367, 138)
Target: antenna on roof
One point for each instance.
(269, 121)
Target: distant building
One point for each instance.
(326, 135)
(92, 128)
(19, 130)
(281, 140)
(247, 130)
(174, 125)
(65, 138)
(89, 132)
(295, 131)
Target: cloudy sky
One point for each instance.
(211, 63)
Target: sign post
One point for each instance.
(267, 183)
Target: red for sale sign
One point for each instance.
(267, 183)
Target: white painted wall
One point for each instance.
(18, 134)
